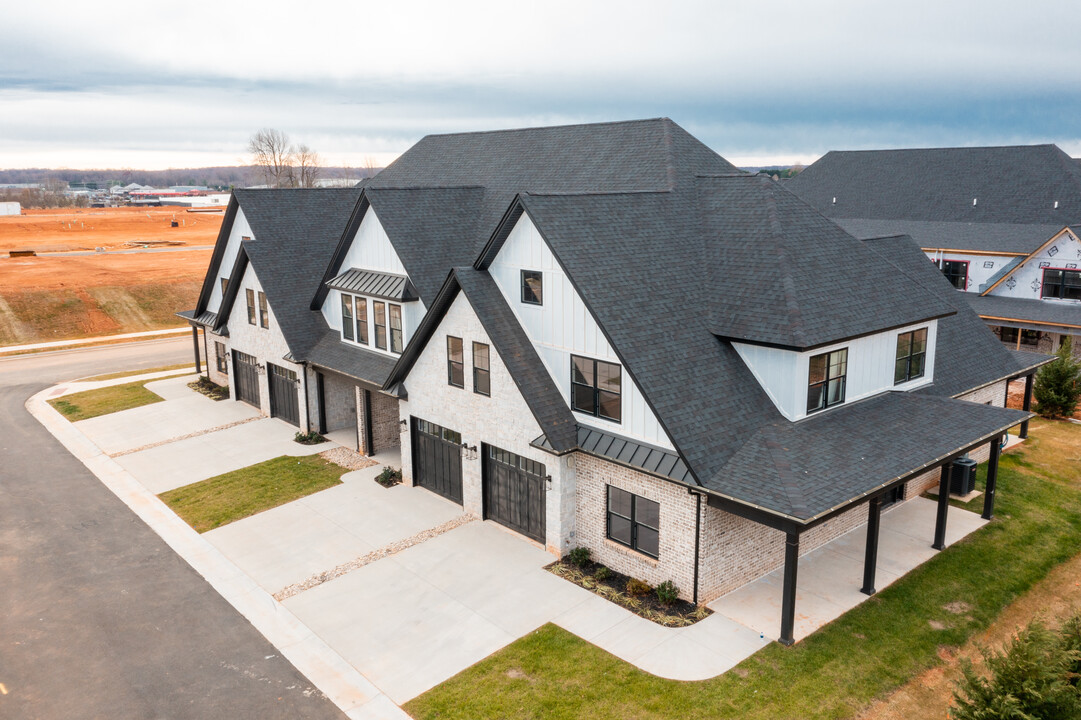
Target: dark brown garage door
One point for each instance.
(246, 377)
(283, 394)
(437, 459)
(514, 491)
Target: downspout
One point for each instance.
(697, 537)
(307, 406)
(206, 354)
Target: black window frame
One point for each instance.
(951, 273)
(220, 356)
(1061, 285)
(909, 356)
(635, 523)
(596, 392)
(532, 295)
(264, 313)
(397, 334)
(453, 365)
(379, 312)
(360, 316)
(827, 380)
(249, 295)
(347, 317)
(482, 373)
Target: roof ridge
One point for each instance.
(598, 194)
(425, 187)
(950, 147)
(534, 128)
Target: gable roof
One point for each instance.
(212, 271)
(1011, 184)
(294, 232)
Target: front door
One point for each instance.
(246, 377)
(283, 385)
(514, 492)
(437, 459)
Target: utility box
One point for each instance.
(963, 476)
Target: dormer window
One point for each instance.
(362, 320)
(250, 295)
(826, 380)
(347, 316)
(911, 356)
(379, 310)
(532, 287)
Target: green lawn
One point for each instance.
(220, 500)
(129, 373)
(92, 403)
(838, 670)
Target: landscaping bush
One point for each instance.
(579, 556)
(667, 592)
(389, 477)
(1057, 388)
(1036, 676)
(602, 573)
(636, 587)
(211, 389)
(309, 438)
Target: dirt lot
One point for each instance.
(59, 297)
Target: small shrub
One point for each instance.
(389, 477)
(667, 592)
(579, 556)
(309, 438)
(636, 587)
(603, 573)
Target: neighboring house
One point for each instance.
(1002, 223)
(607, 336)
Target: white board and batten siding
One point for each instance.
(240, 229)
(370, 249)
(784, 374)
(563, 326)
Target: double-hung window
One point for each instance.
(455, 362)
(956, 271)
(395, 328)
(362, 320)
(219, 356)
(264, 315)
(826, 380)
(250, 294)
(911, 356)
(634, 521)
(380, 313)
(482, 376)
(532, 287)
(596, 388)
(1061, 284)
(347, 316)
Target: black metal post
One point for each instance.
(697, 537)
(943, 506)
(992, 480)
(1027, 406)
(195, 345)
(788, 594)
(870, 557)
(369, 440)
(320, 390)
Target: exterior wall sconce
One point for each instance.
(261, 369)
(403, 426)
(548, 481)
(470, 453)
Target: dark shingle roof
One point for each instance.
(295, 232)
(356, 362)
(375, 284)
(1005, 238)
(1026, 310)
(1013, 184)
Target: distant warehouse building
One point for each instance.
(10, 208)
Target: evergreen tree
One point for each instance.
(1058, 384)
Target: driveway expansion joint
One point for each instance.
(169, 441)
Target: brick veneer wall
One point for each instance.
(340, 394)
(386, 432)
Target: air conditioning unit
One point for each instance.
(963, 476)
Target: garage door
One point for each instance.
(246, 377)
(283, 394)
(437, 459)
(514, 491)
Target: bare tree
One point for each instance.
(272, 154)
(370, 167)
(306, 166)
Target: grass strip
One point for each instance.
(838, 670)
(93, 403)
(223, 499)
(130, 373)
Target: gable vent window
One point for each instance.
(455, 362)
(224, 287)
(380, 313)
(826, 380)
(634, 521)
(1061, 284)
(395, 328)
(596, 388)
(911, 356)
(362, 320)
(347, 316)
(482, 374)
(250, 294)
(264, 315)
(532, 287)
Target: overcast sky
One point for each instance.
(184, 84)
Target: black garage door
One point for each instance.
(437, 459)
(514, 489)
(283, 394)
(246, 377)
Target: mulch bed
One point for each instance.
(209, 388)
(614, 588)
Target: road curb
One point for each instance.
(343, 684)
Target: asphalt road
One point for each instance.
(98, 617)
